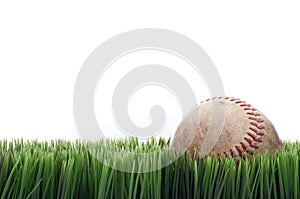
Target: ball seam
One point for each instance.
(254, 134)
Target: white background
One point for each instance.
(255, 46)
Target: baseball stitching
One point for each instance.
(253, 135)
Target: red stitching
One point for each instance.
(250, 151)
(251, 135)
(239, 150)
(257, 125)
(256, 131)
(256, 119)
(253, 113)
(243, 146)
(251, 143)
(255, 122)
(245, 105)
(249, 109)
(248, 140)
(231, 152)
(255, 138)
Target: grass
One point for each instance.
(64, 169)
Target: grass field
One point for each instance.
(63, 169)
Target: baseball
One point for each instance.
(226, 126)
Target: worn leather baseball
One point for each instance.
(226, 126)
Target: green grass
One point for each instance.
(63, 169)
